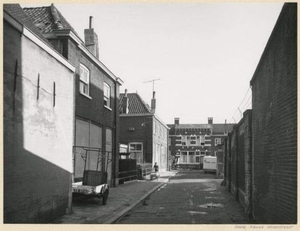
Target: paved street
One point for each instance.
(188, 198)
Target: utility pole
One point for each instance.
(153, 80)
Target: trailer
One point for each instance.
(210, 164)
(94, 183)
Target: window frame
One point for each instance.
(82, 81)
(106, 99)
(136, 152)
(218, 141)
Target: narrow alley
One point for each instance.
(190, 197)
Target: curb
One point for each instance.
(124, 211)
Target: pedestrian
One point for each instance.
(155, 167)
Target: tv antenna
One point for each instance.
(153, 80)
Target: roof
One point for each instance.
(195, 126)
(216, 128)
(47, 18)
(15, 11)
(135, 104)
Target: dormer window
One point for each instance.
(84, 81)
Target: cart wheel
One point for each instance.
(104, 197)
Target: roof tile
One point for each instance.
(135, 104)
(18, 14)
(47, 18)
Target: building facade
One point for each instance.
(38, 123)
(96, 92)
(191, 142)
(141, 129)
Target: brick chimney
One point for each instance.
(153, 103)
(210, 120)
(176, 121)
(125, 103)
(91, 39)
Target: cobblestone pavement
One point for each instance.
(188, 198)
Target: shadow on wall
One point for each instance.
(36, 183)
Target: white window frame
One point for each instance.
(106, 95)
(135, 151)
(84, 82)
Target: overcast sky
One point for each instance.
(204, 54)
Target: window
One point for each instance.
(193, 142)
(106, 92)
(136, 151)
(84, 81)
(183, 143)
(217, 141)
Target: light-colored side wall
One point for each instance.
(38, 136)
(160, 145)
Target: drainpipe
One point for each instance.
(115, 159)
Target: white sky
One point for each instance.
(204, 54)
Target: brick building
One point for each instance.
(96, 90)
(274, 104)
(191, 142)
(141, 129)
(261, 152)
(38, 123)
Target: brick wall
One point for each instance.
(92, 108)
(238, 161)
(274, 86)
(131, 130)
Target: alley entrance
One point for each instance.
(190, 197)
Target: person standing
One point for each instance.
(155, 167)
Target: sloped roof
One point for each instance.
(47, 18)
(15, 11)
(135, 104)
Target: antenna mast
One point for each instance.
(153, 80)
